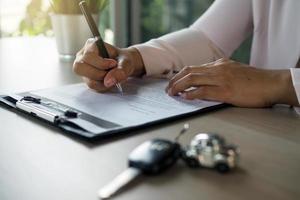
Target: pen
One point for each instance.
(99, 41)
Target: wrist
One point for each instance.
(286, 93)
(137, 62)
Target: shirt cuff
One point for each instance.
(297, 109)
(295, 72)
(156, 59)
(173, 51)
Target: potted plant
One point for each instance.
(69, 25)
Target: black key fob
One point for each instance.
(154, 156)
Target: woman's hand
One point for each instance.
(100, 73)
(234, 83)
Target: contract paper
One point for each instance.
(143, 101)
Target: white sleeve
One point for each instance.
(217, 33)
(296, 82)
(173, 51)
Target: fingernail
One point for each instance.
(110, 82)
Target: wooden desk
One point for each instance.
(38, 162)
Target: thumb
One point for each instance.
(118, 74)
(90, 46)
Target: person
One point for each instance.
(196, 59)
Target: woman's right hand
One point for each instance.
(101, 74)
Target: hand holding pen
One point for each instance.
(101, 73)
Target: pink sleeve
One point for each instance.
(172, 52)
(215, 34)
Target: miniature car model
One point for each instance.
(210, 151)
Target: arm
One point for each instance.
(217, 33)
(171, 52)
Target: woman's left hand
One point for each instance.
(235, 83)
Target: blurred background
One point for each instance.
(122, 22)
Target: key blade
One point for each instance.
(118, 183)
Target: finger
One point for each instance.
(91, 46)
(80, 53)
(186, 70)
(119, 74)
(93, 59)
(91, 56)
(223, 60)
(89, 71)
(115, 76)
(198, 69)
(112, 50)
(95, 85)
(211, 93)
(192, 80)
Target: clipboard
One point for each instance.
(77, 121)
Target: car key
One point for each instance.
(150, 158)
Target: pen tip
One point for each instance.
(120, 88)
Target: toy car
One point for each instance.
(210, 151)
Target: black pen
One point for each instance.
(99, 41)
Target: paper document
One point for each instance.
(143, 101)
